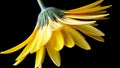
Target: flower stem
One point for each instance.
(41, 4)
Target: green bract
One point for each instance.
(50, 12)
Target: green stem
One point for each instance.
(41, 4)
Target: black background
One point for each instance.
(17, 21)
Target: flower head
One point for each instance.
(57, 28)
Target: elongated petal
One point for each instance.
(87, 6)
(90, 13)
(98, 38)
(21, 45)
(57, 40)
(74, 22)
(95, 9)
(44, 37)
(88, 17)
(95, 24)
(29, 46)
(78, 38)
(18, 61)
(54, 55)
(39, 56)
(88, 29)
(69, 41)
(25, 52)
(40, 65)
(95, 13)
(33, 42)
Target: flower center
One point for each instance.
(49, 13)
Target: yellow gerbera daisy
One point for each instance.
(56, 28)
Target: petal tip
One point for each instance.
(89, 48)
(2, 53)
(14, 64)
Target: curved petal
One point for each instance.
(98, 38)
(28, 47)
(57, 40)
(33, 42)
(95, 24)
(54, 55)
(95, 9)
(88, 29)
(95, 13)
(88, 17)
(43, 38)
(40, 65)
(91, 10)
(21, 45)
(78, 38)
(69, 41)
(39, 56)
(70, 21)
(87, 6)
(25, 52)
(19, 61)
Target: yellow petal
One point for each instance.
(21, 45)
(28, 47)
(95, 24)
(96, 13)
(87, 6)
(54, 55)
(74, 22)
(98, 38)
(95, 9)
(57, 40)
(86, 16)
(25, 52)
(103, 18)
(54, 25)
(91, 13)
(18, 61)
(33, 42)
(44, 37)
(40, 65)
(39, 56)
(78, 38)
(88, 29)
(69, 42)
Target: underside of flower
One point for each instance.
(57, 28)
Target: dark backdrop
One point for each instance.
(17, 21)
